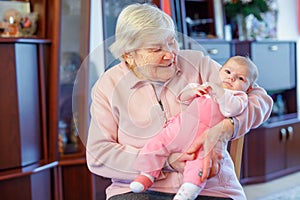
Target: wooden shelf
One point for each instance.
(25, 40)
(27, 170)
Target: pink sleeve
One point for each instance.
(105, 155)
(232, 103)
(257, 111)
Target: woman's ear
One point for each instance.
(129, 59)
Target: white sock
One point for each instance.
(187, 191)
(141, 183)
(136, 187)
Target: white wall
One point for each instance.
(288, 30)
(287, 20)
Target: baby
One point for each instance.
(209, 104)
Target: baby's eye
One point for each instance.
(227, 71)
(241, 78)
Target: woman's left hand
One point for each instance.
(214, 143)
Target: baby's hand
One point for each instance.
(202, 89)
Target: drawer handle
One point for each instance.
(283, 134)
(273, 48)
(213, 51)
(290, 131)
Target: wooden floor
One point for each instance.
(256, 191)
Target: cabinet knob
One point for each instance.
(283, 134)
(290, 131)
(273, 48)
(213, 51)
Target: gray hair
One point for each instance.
(139, 25)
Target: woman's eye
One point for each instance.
(156, 49)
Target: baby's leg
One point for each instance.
(192, 181)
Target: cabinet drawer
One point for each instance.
(276, 64)
(219, 51)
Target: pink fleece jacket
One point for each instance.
(125, 114)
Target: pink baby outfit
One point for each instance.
(177, 136)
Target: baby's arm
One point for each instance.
(231, 102)
(191, 91)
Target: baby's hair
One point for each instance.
(246, 61)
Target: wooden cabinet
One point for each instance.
(271, 151)
(32, 182)
(219, 50)
(77, 182)
(28, 117)
(22, 114)
(277, 57)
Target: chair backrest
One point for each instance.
(236, 152)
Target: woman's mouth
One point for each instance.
(167, 65)
(170, 65)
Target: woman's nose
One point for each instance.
(168, 54)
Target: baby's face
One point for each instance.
(235, 76)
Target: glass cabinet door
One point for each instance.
(73, 49)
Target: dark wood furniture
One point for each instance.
(23, 128)
(272, 150)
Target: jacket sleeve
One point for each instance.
(257, 111)
(105, 155)
(232, 103)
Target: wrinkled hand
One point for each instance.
(177, 160)
(214, 143)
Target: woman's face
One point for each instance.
(156, 62)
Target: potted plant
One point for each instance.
(241, 12)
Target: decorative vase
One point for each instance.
(244, 27)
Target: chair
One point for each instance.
(236, 152)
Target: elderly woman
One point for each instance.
(132, 101)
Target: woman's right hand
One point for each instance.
(177, 160)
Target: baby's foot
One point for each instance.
(187, 191)
(141, 183)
